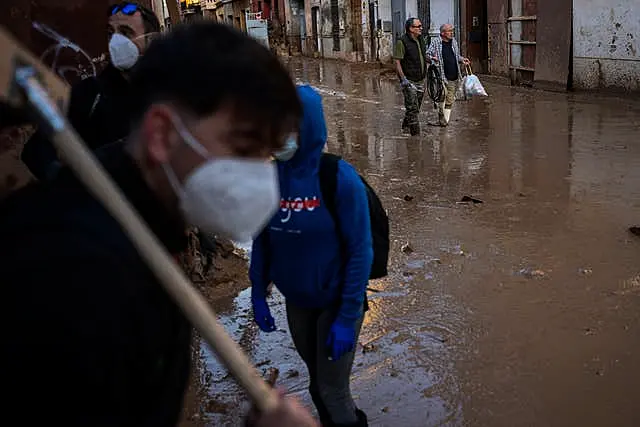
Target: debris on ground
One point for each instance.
(585, 271)
(432, 261)
(407, 198)
(406, 248)
(455, 250)
(272, 376)
(368, 348)
(215, 407)
(469, 199)
(532, 273)
(292, 373)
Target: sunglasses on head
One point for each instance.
(125, 8)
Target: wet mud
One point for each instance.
(514, 292)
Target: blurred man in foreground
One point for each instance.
(90, 336)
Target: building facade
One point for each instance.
(230, 12)
(359, 30)
(564, 44)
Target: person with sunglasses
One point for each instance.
(100, 107)
(410, 61)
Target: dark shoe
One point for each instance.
(635, 230)
(362, 421)
(414, 130)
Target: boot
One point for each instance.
(405, 125)
(447, 115)
(414, 129)
(362, 420)
(441, 115)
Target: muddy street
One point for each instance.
(517, 307)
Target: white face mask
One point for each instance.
(230, 197)
(289, 150)
(123, 52)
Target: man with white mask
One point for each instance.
(100, 106)
(87, 325)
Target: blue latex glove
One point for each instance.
(404, 82)
(262, 316)
(341, 340)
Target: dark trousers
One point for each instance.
(329, 380)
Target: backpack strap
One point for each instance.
(328, 176)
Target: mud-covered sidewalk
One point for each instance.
(520, 307)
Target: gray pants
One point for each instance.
(329, 380)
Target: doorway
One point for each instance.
(357, 41)
(477, 35)
(373, 31)
(315, 15)
(298, 29)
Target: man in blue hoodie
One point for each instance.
(322, 269)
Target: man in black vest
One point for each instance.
(410, 57)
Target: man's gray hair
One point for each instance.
(443, 26)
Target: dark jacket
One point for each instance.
(90, 338)
(413, 68)
(99, 110)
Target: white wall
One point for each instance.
(386, 38)
(606, 44)
(442, 12)
(411, 7)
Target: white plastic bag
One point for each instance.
(472, 85)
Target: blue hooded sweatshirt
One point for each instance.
(301, 251)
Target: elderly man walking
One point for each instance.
(445, 52)
(410, 59)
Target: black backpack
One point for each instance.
(379, 218)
